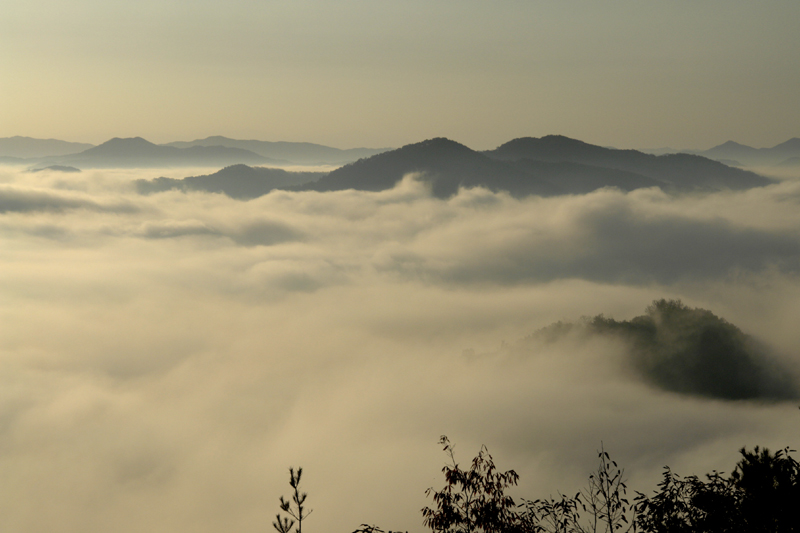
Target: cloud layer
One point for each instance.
(165, 358)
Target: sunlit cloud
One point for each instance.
(165, 358)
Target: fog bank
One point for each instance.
(166, 358)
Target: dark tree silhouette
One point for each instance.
(762, 495)
(298, 513)
(769, 485)
(604, 502)
(472, 500)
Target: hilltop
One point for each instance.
(544, 166)
(137, 152)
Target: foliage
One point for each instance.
(298, 513)
(770, 489)
(692, 351)
(366, 528)
(604, 502)
(688, 505)
(760, 496)
(551, 515)
(472, 500)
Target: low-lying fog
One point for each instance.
(164, 359)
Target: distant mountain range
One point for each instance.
(735, 154)
(237, 181)
(28, 147)
(680, 172)
(290, 152)
(546, 166)
(137, 152)
(780, 154)
(446, 164)
(222, 151)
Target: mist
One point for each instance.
(166, 358)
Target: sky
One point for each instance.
(628, 73)
(165, 359)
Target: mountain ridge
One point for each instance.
(681, 171)
(446, 164)
(548, 166)
(239, 181)
(137, 152)
(29, 147)
(291, 152)
(732, 152)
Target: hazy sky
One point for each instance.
(629, 73)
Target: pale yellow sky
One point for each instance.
(629, 73)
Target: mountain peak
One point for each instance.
(125, 147)
(731, 144)
(127, 141)
(548, 148)
(437, 143)
(791, 144)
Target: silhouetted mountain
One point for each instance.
(139, 153)
(681, 172)
(289, 152)
(790, 148)
(446, 164)
(576, 178)
(731, 151)
(750, 156)
(28, 147)
(237, 181)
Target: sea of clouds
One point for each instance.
(164, 359)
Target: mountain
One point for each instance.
(289, 152)
(790, 148)
(681, 172)
(750, 156)
(138, 153)
(731, 151)
(546, 166)
(28, 147)
(446, 164)
(576, 178)
(237, 181)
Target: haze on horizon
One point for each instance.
(630, 74)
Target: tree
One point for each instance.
(769, 487)
(604, 501)
(688, 505)
(298, 513)
(760, 496)
(472, 500)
